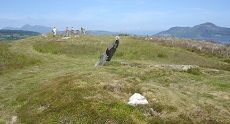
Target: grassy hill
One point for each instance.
(50, 80)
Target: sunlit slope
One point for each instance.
(51, 80)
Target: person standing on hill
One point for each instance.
(54, 31)
(72, 31)
(82, 31)
(67, 32)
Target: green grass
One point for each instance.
(57, 82)
(130, 49)
(63, 101)
(11, 60)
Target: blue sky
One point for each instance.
(114, 15)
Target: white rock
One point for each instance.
(64, 38)
(137, 99)
(44, 35)
(13, 120)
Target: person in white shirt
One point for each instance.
(54, 31)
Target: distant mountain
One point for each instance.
(6, 34)
(10, 28)
(35, 28)
(206, 31)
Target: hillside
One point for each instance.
(206, 31)
(52, 80)
(34, 28)
(15, 34)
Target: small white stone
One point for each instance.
(64, 38)
(13, 120)
(137, 99)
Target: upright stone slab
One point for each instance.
(102, 60)
(109, 52)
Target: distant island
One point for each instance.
(206, 31)
(35, 28)
(6, 34)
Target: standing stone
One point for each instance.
(109, 52)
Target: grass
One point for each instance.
(65, 102)
(58, 83)
(12, 60)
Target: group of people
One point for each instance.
(70, 32)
